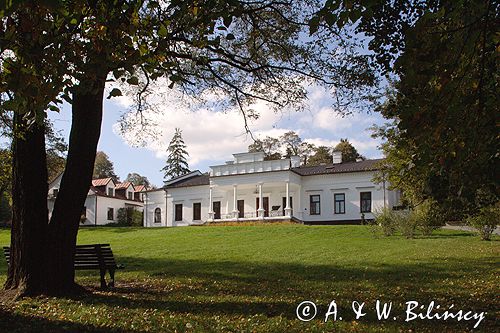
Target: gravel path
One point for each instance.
(467, 228)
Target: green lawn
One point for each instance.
(251, 278)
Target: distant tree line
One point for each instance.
(104, 168)
(291, 144)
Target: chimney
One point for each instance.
(295, 161)
(337, 157)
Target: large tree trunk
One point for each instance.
(26, 273)
(75, 183)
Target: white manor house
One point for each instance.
(250, 188)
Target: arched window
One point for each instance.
(157, 215)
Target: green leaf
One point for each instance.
(313, 25)
(133, 80)
(228, 20)
(115, 93)
(330, 18)
(162, 31)
(117, 73)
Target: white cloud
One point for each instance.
(212, 136)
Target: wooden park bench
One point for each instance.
(90, 257)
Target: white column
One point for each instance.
(288, 209)
(210, 207)
(235, 202)
(261, 209)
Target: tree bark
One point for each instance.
(75, 184)
(26, 272)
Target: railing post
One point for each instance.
(288, 209)
(235, 202)
(261, 209)
(210, 203)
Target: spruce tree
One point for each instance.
(176, 162)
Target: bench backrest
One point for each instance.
(92, 256)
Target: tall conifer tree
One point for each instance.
(176, 162)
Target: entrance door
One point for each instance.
(216, 209)
(241, 208)
(265, 200)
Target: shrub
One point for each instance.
(429, 217)
(390, 221)
(136, 218)
(485, 221)
(407, 222)
(129, 217)
(386, 221)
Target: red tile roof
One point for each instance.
(101, 181)
(125, 185)
(140, 188)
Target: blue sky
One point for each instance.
(212, 136)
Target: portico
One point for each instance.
(271, 200)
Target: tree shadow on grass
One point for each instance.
(17, 323)
(245, 289)
(114, 229)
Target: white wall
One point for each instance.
(90, 210)
(352, 184)
(187, 196)
(153, 200)
(103, 203)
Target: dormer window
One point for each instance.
(129, 195)
(111, 193)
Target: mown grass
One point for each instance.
(251, 278)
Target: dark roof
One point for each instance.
(367, 165)
(196, 180)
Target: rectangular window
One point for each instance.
(178, 212)
(314, 205)
(216, 209)
(55, 192)
(110, 191)
(240, 204)
(129, 194)
(366, 202)
(196, 211)
(339, 203)
(111, 214)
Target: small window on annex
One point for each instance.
(314, 205)
(178, 212)
(196, 211)
(339, 204)
(158, 215)
(111, 214)
(366, 202)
